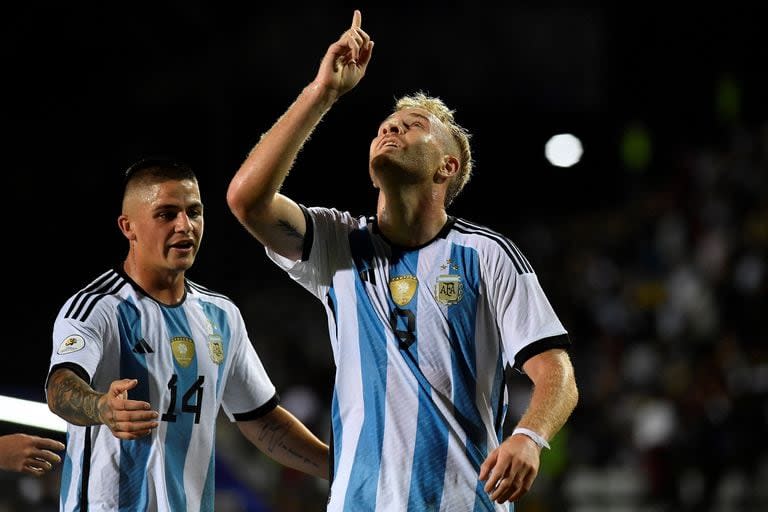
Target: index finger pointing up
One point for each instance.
(357, 19)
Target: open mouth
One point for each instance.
(186, 245)
(388, 143)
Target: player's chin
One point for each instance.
(382, 162)
(182, 263)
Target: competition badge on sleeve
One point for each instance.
(71, 344)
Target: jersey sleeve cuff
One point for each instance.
(539, 346)
(259, 411)
(309, 234)
(74, 367)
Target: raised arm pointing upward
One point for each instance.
(274, 219)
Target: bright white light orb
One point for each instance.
(563, 150)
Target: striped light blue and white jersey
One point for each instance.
(190, 360)
(421, 337)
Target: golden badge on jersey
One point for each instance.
(183, 350)
(403, 288)
(449, 289)
(216, 348)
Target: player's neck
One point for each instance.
(408, 224)
(165, 287)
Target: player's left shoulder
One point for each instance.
(493, 245)
(198, 291)
(476, 230)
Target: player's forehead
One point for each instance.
(411, 113)
(185, 190)
(158, 193)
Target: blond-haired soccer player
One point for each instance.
(424, 309)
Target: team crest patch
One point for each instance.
(449, 289)
(71, 344)
(183, 350)
(402, 289)
(216, 348)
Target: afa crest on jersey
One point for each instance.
(216, 348)
(215, 343)
(449, 289)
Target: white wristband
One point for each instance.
(533, 435)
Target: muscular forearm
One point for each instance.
(262, 174)
(73, 399)
(554, 394)
(287, 441)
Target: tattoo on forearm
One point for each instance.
(274, 433)
(301, 457)
(73, 399)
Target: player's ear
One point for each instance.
(448, 169)
(451, 164)
(125, 227)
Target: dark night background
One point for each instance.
(88, 90)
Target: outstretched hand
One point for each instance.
(127, 419)
(29, 454)
(347, 59)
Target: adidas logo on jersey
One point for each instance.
(142, 347)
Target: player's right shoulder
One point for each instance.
(82, 303)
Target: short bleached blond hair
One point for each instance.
(459, 135)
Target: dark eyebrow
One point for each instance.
(170, 206)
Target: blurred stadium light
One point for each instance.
(30, 413)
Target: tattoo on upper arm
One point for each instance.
(71, 397)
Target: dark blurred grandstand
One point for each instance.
(653, 249)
